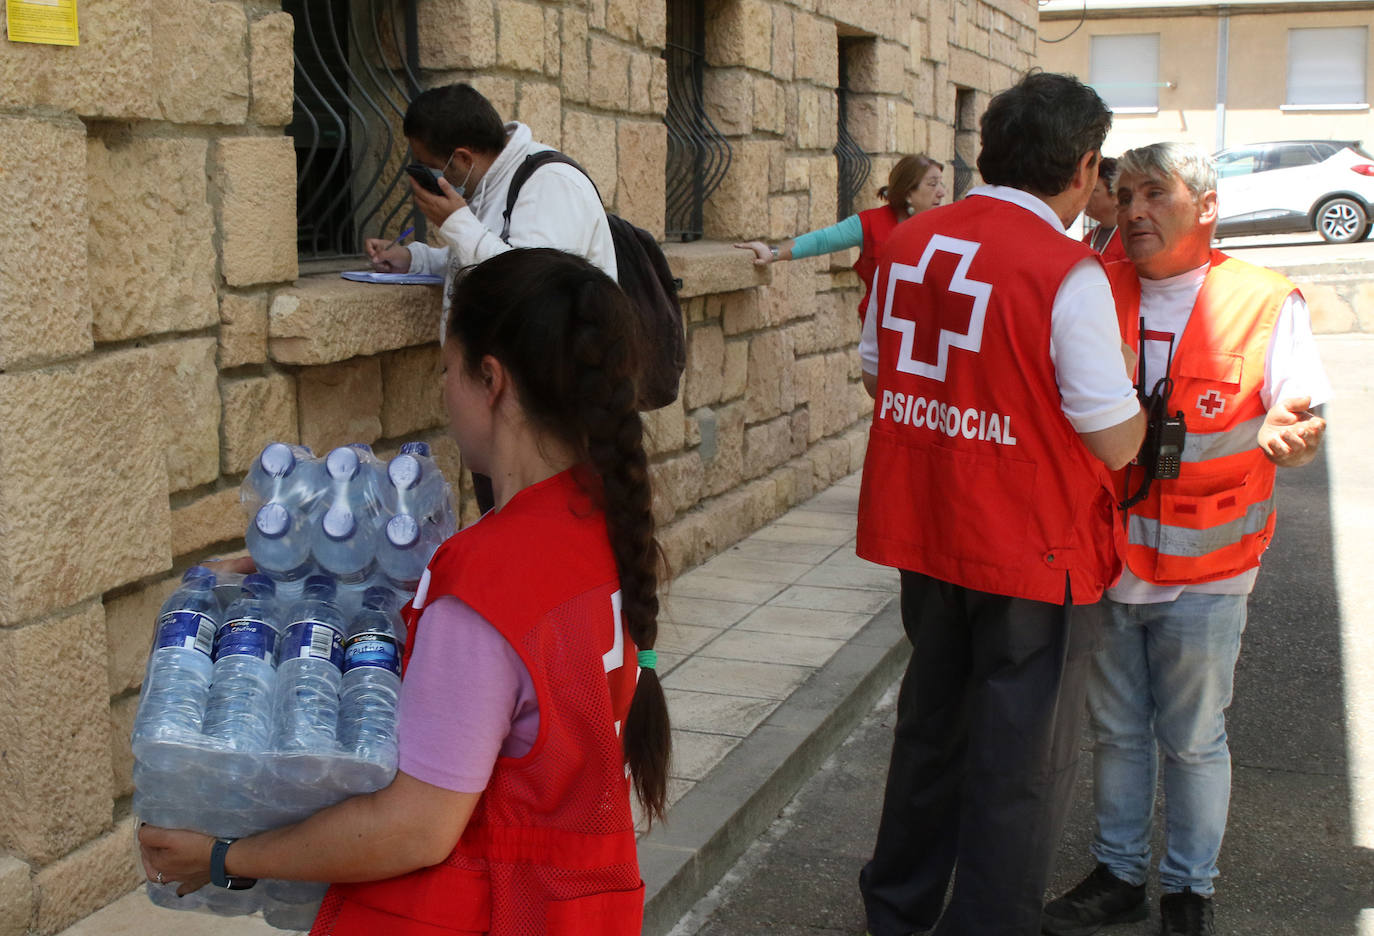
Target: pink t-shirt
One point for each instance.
(466, 699)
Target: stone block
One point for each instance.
(767, 445)
(553, 44)
(797, 176)
(242, 329)
(499, 91)
(340, 403)
(770, 376)
(743, 311)
(520, 36)
(741, 33)
(642, 150)
(256, 181)
(653, 25)
(42, 181)
(456, 34)
(784, 47)
(783, 212)
(54, 778)
(622, 17)
(738, 209)
(665, 428)
(321, 320)
(122, 714)
(271, 69)
(809, 379)
(824, 192)
(208, 521)
(541, 109)
(707, 268)
(189, 394)
(412, 392)
(88, 879)
(130, 619)
(882, 71)
(729, 100)
(592, 141)
(937, 31)
(967, 69)
(770, 105)
(817, 50)
(736, 379)
(640, 100)
(608, 75)
(574, 55)
(70, 536)
(1331, 314)
(658, 87)
(16, 897)
(725, 468)
(257, 410)
(149, 284)
(676, 485)
(201, 61)
(705, 365)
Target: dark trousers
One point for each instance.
(481, 487)
(983, 761)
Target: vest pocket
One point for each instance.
(1205, 527)
(614, 913)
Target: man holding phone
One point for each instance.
(467, 158)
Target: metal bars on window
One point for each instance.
(356, 72)
(852, 162)
(698, 156)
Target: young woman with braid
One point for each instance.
(524, 719)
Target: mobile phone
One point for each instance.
(425, 177)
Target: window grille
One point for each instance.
(965, 140)
(963, 177)
(852, 162)
(355, 71)
(698, 156)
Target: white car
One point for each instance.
(1299, 185)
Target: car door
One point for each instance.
(1236, 172)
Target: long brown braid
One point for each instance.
(566, 333)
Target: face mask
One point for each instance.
(462, 187)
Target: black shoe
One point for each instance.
(1101, 899)
(1185, 914)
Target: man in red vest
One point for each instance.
(1229, 346)
(993, 353)
(1106, 237)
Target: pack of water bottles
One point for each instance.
(271, 696)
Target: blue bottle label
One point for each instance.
(372, 649)
(313, 640)
(189, 630)
(246, 637)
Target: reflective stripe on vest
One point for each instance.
(1203, 446)
(1184, 541)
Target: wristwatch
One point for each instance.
(217, 875)
(777, 255)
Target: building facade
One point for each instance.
(1219, 74)
(170, 302)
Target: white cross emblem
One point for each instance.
(970, 340)
(1211, 404)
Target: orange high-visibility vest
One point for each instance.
(550, 848)
(1217, 517)
(973, 474)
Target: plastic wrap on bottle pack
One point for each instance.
(272, 696)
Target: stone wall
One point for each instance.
(154, 333)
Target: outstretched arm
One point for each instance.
(1291, 434)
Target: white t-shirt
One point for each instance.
(1292, 368)
(1085, 339)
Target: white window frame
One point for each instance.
(1111, 61)
(1314, 54)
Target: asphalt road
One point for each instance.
(1299, 853)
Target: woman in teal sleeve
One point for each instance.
(914, 184)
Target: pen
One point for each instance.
(403, 235)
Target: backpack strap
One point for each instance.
(526, 169)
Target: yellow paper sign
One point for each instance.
(51, 22)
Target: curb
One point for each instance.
(711, 826)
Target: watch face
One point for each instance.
(239, 883)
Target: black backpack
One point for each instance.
(645, 277)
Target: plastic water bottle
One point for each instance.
(177, 680)
(352, 473)
(371, 682)
(403, 551)
(239, 711)
(285, 473)
(279, 541)
(310, 672)
(417, 487)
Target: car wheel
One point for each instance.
(1342, 221)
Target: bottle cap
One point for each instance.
(342, 463)
(320, 586)
(404, 471)
(416, 448)
(277, 460)
(273, 520)
(339, 523)
(402, 531)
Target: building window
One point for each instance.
(698, 155)
(1125, 71)
(1327, 67)
(352, 90)
(853, 163)
(965, 140)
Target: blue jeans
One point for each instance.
(1161, 682)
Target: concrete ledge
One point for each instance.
(324, 319)
(710, 827)
(713, 267)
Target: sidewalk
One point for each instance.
(770, 653)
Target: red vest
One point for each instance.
(550, 848)
(1115, 249)
(878, 225)
(973, 475)
(1217, 517)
